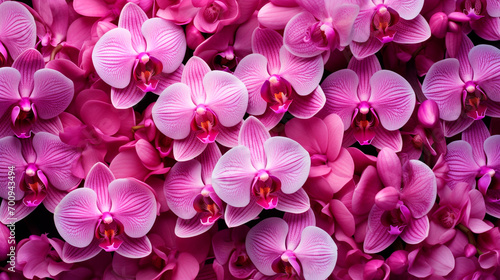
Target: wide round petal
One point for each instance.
(344, 16)
(407, 9)
(135, 248)
(297, 223)
(124, 98)
(233, 176)
(98, 180)
(266, 242)
(76, 217)
(188, 148)
(114, 57)
(227, 96)
(310, 133)
(173, 111)
(485, 61)
(182, 184)
(131, 18)
(341, 89)
(134, 205)
(268, 43)
(317, 253)
(304, 74)
(237, 216)
(420, 189)
(393, 99)
(192, 75)
(492, 151)
(252, 71)
(412, 31)
(304, 107)
(9, 88)
(17, 28)
(165, 42)
(294, 34)
(11, 156)
(416, 231)
(377, 236)
(296, 203)
(361, 50)
(463, 167)
(287, 161)
(52, 93)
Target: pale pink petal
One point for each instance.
(173, 111)
(305, 107)
(364, 49)
(294, 34)
(228, 136)
(416, 231)
(419, 192)
(276, 17)
(131, 18)
(393, 99)
(362, 25)
(17, 28)
(98, 180)
(114, 57)
(233, 176)
(466, 72)
(407, 9)
(191, 227)
(317, 8)
(268, 43)
(265, 243)
(463, 167)
(492, 151)
(124, 98)
(76, 217)
(72, 254)
(493, 8)
(364, 68)
(134, 248)
(287, 161)
(310, 134)
(452, 128)
(56, 159)
(252, 71)
(237, 216)
(53, 126)
(53, 198)
(341, 170)
(297, 223)
(377, 237)
(9, 84)
(188, 148)
(412, 31)
(52, 93)
(296, 203)
(91, 8)
(134, 205)
(192, 75)
(208, 160)
(253, 135)
(167, 79)
(182, 184)
(344, 16)
(270, 119)
(304, 74)
(317, 253)
(27, 64)
(341, 94)
(475, 135)
(227, 96)
(21, 211)
(485, 61)
(10, 149)
(165, 42)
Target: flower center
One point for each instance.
(277, 92)
(205, 124)
(287, 264)
(107, 230)
(364, 122)
(226, 60)
(475, 9)
(396, 220)
(213, 11)
(265, 187)
(209, 203)
(23, 116)
(473, 99)
(383, 18)
(34, 184)
(146, 67)
(322, 34)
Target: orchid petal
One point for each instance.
(341, 94)
(416, 231)
(253, 135)
(475, 135)
(310, 134)
(492, 151)
(135, 248)
(17, 28)
(27, 64)
(188, 148)
(228, 136)
(463, 167)
(389, 168)
(377, 237)
(276, 17)
(296, 203)
(72, 254)
(362, 50)
(363, 197)
(191, 227)
(124, 98)
(304, 74)
(485, 61)
(412, 31)
(344, 16)
(365, 68)
(132, 18)
(252, 71)
(305, 107)
(52, 93)
(419, 192)
(268, 43)
(9, 88)
(237, 216)
(407, 9)
(11, 156)
(294, 36)
(192, 75)
(297, 223)
(98, 180)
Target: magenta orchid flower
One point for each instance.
(401, 207)
(433, 261)
(206, 106)
(484, 17)
(372, 103)
(17, 33)
(278, 81)
(263, 172)
(465, 88)
(109, 214)
(476, 157)
(190, 195)
(297, 248)
(138, 56)
(43, 172)
(323, 27)
(383, 21)
(32, 97)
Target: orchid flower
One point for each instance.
(32, 97)
(107, 9)
(292, 247)
(138, 56)
(401, 207)
(371, 102)
(263, 172)
(278, 81)
(43, 172)
(484, 17)
(206, 106)
(465, 88)
(382, 21)
(190, 195)
(109, 214)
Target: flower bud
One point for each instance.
(469, 250)
(387, 198)
(398, 261)
(193, 36)
(428, 113)
(439, 24)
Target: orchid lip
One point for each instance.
(205, 124)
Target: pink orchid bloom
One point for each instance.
(32, 97)
(43, 172)
(206, 106)
(297, 248)
(229, 250)
(401, 207)
(138, 56)
(323, 27)
(425, 261)
(323, 140)
(190, 195)
(52, 19)
(18, 33)
(107, 9)
(465, 88)
(278, 81)
(263, 172)
(476, 157)
(484, 17)
(383, 21)
(109, 214)
(372, 103)
(40, 257)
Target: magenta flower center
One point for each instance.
(34, 185)
(383, 18)
(107, 230)
(277, 92)
(23, 117)
(209, 203)
(285, 265)
(364, 122)
(322, 34)
(264, 188)
(446, 217)
(213, 11)
(226, 60)
(205, 124)
(396, 220)
(475, 9)
(145, 70)
(473, 99)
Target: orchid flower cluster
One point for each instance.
(250, 139)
